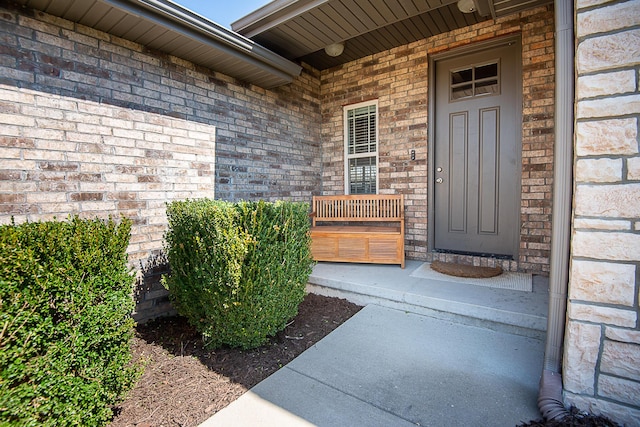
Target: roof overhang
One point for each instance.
(170, 28)
(300, 30)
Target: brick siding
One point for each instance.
(95, 125)
(399, 79)
(602, 340)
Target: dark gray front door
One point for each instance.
(477, 152)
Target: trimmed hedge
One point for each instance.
(238, 270)
(65, 322)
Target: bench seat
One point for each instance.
(355, 229)
(380, 240)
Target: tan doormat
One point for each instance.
(461, 270)
(507, 280)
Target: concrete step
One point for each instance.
(504, 310)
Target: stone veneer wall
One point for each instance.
(398, 78)
(95, 125)
(602, 341)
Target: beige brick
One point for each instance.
(608, 201)
(98, 206)
(48, 197)
(609, 18)
(11, 131)
(633, 168)
(602, 224)
(608, 52)
(616, 136)
(621, 359)
(148, 127)
(599, 170)
(623, 335)
(603, 282)
(41, 112)
(598, 314)
(58, 208)
(86, 137)
(56, 156)
(619, 389)
(17, 119)
(62, 104)
(47, 134)
(60, 124)
(155, 141)
(588, 3)
(94, 129)
(10, 153)
(23, 165)
(609, 107)
(16, 96)
(116, 123)
(606, 84)
(97, 186)
(581, 356)
(606, 245)
(86, 157)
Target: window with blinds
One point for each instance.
(361, 148)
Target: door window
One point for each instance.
(475, 80)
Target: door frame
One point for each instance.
(431, 127)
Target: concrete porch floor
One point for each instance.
(421, 353)
(511, 311)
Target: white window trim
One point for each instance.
(348, 156)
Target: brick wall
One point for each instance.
(268, 142)
(398, 78)
(95, 125)
(602, 342)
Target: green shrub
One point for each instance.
(65, 322)
(238, 271)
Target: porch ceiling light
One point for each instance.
(467, 6)
(334, 49)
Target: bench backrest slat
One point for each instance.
(362, 207)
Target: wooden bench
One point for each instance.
(371, 229)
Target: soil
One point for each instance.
(183, 384)
(575, 418)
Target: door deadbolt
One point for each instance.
(439, 169)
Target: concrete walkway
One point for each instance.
(392, 367)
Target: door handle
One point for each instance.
(439, 181)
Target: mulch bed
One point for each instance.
(184, 384)
(575, 418)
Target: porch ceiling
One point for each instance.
(300, 29)
(168, 27)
